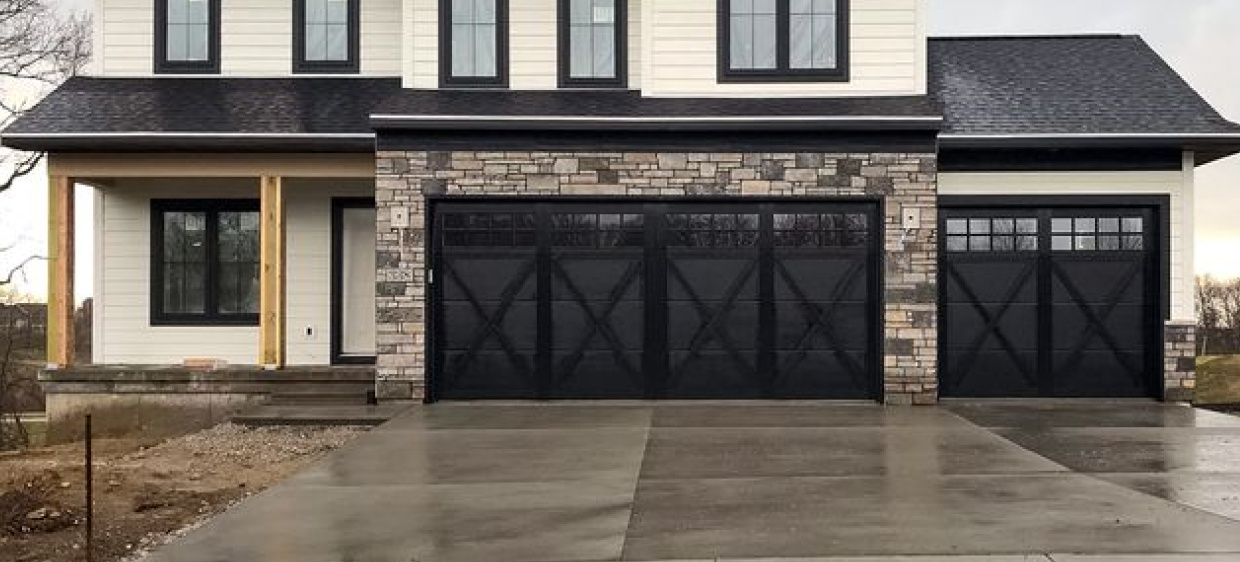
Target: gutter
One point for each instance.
(656, 123)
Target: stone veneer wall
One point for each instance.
(904, 181)
(1180, 362)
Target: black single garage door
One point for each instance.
(1055, 302)
(657, 300)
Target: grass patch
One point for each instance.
(1218, 379)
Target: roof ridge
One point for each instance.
(1037, 37)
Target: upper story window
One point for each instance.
(326, 37)
(187, 36)
(783, 40)
(592, 43)
(473, 44)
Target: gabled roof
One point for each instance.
(985, 92)
(1079, 90)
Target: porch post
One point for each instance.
(60, 305)
(271, 331)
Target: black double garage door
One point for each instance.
(666, 300)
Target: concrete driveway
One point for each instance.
(583, 482)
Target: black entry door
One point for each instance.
(668, 300)
(1057, 302)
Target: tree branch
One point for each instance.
(19, 268)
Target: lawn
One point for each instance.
(1218, 379)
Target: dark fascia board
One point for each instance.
(179, 142)
(669, 123)
(1208, 147)
(683, 140)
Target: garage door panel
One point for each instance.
(1000, 282)
(1100, 374)
(964, 324)
(656, 300)
(1123, 326)
(821, 374)
(822, 278)
(992, 374)
(828, 327)
(1072, 307)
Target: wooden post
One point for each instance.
(60, 305)
(271, 274)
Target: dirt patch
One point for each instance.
(144, 493)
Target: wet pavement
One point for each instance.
(990, 482)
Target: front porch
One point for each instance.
(220, 281)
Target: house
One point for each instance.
(620, 199)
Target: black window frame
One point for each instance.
(446, 79)
(210, 315)
(564, 49)
(164, 66)
(351, 65)
(783, 71)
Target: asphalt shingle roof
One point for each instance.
(1108, 84)
(1044, 86)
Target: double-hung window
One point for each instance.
(473, 48)
(592, 43)
(783, 40)
(326, 36)
(204, 261)
(187, 36)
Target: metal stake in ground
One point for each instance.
(89, 500)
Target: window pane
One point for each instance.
(184, 262)
(604, 52)
(462, 50)
(1109, 243)
(1134, 224)
(1004, 243)
(237, 280)
(1134, 243)
(957, 243)
(1108, 225)
(1027, 243)
(752, 34)
(337, 12)
(800, 41)
(1061, 243)
(177, 41)
(979, 243)
(484, 51)
(1027, 226)
(337, 43)
(197, 48)
(1004, 226)
(178, 11)
(1086, 225)
(957, 226)
(1061, 225)
(1086, 243)
(316, 11)
(197, 12)
(316, 42)
(979, 226)
(579, 59)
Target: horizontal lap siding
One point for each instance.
(256, 37)
(124, 333)
(1097, 183)
(887, 52)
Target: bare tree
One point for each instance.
(40, 47)
(1209, 313)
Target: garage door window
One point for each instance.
(713, 230)
(481, 230)
(1098, 234)
(829, 230)
(998, 234)
(597, 230)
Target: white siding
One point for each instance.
(887, 51)
(532, 62)
(256, 37)
(123, 227)
(1176, 184)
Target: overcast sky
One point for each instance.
(1200, 38)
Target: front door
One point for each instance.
(353, 286)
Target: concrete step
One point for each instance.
(268, 415)
(321, 398)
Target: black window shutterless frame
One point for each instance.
(446, 79)
(165, 66)
(350, 65)
(783, 72)
(211, 208)
(564, 54)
